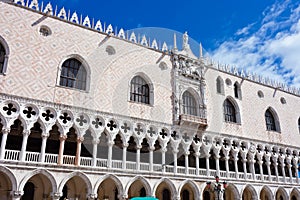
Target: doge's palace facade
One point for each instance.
(90, 112)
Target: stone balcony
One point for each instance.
(99, 164)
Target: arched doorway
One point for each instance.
(266, 194)
(38, 186)
(75, 188)
(108, 190)
(5, 186)
(231, 193)
(138, 189)
(165, 190)
(295, 194)
(29, 193)
(249, 193)
(207, 195)
(281, 194)
(187, 192)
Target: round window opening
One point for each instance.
(282, 100)
(45, 31)
(228, 82)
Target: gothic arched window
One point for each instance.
(73, 74)
(220, 85)
(270, 121)
(189, 104)
(299, 124)
(2, 57)
(229, 111)
(237, 90)
(139, 90)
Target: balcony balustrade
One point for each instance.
(34, 157)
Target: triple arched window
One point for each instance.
(230, 113)
(139, 90)
(272, 123)
(189, 104)
(73, 74)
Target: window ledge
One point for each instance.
(71, 88)
(233, 123)
(140, 103)
(271, 131)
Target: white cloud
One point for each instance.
(272, 50)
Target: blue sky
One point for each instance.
(261, 36)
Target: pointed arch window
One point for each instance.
(229, 111)
(73, 74)
(139, 90)
(220, 85)
(237, 90)
(189, 104)
(270, 121)
(299, 124)
(4, 52)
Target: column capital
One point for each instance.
(151, 148)
(45, 136)
(125, 145)
(26, 132)
(80, 139)
(197, 154)
(92, 196)
(164, 149)
(56, 195)
(16, 194)
(110, 143)
(95, 141)
(5, 130)
(139, 146)
(62, 137)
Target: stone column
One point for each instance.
(3, 143)
(236, 169)
(124, 157)
(109, 157)
(26, 134)
(62, 140)
(296, 169)
(268, 163)
(138, 156)
(217, 157)
(197, 155)
(290, 172)
(43, 148)
(227, 166)
(207, 165)
(186, 156)
(276, 167)
(261, 169)
(282, 167)
(245, 167)
(175, 160)
(163, 159)
(252, 168)
(95, 151)
(151, 149)
(78, 151)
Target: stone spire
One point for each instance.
(175, 43)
